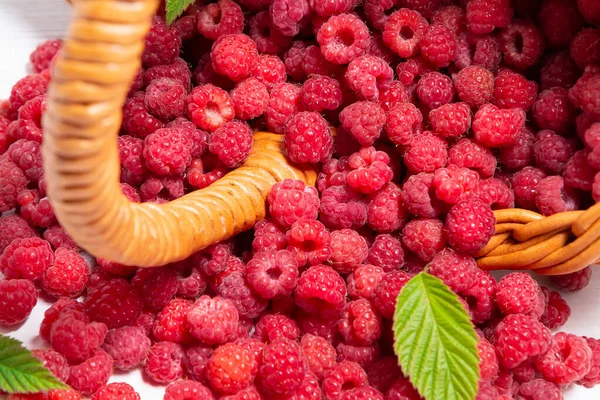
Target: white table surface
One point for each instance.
(25, 23)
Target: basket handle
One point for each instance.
(91, 78)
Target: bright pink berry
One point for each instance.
(250, 98)
(187, 389)
(552, 196)
(163, 44)
(386, 252)
(574, 281)
(455, 269)
(494, 127)
(116, 391)
(474, 85)
(320, 93)
(469, 226)
(480, 296)
(218, 19)
(268, 40)
(291, 201)
(387, 291)
(348, 249)
(418, 195)
(287, 14)
(268, 235)
(285, 101)
(360, 323)
(483, 15)
(166, 98)
(553, 110)
(524, 184)
(274, 326)
(17, 299)
(231, 143)
(54, 361)
(591, 378)
(308, 241)
(539, 389)
(521, 43)
(402, 123)
(73, 336)
(451, 120)
(321, 290)
(342, 207)
(568, 359)
(438, 45)
(68, 276)
(128, 346)
(495, 193)
(308, 138)
(43, 55)
(343, 38)
(364, 120)
(269, 70)
(114, 303)
(93, 373)
(520, 154)
(212, 320)
(517, 293)
(171, 322)
(14, 227)
(26, 89)
(435, 89)
(519, 338)
(12, 181)
(235, 288)
(369, 170)
(556, 312)
(210, 107)
(451, 183)
(424, 237)
(166, 151)
(235, 56)
(385, 212)
(26, 258)
(164, 363)
(403, 31)
(426, 153)
(282, 370)
(469, 154)
(512, 90)
(368, 76)
(272, 273)
(578, 172)
(342, 378)
(231, 368)
(156, 285)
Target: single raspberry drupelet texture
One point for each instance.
(343, 38)
(424, 237)
(368, 75)
(166, 98)
(268, 235)
(167, 152)
(552, 196)
(438, 45)
(517, 293)
(451, 183)
(17, 299)
(116, 391)
(231, 368)
(451, 120)
(12, 181)
(348, 249)
(369, 170)
(171, 322)
(403, 32)
(308, 138)
(321, 290)
(91, 374)
(218, 19)
(495, 193)
(26, 258)
(520, 154)
(521, 44)
(469, 154)
(558, 69)
(164, 363)
(163, 44)
(392, 94)
(319, 354)
(469, 226)
(43, 55)
(418, 196)
(274, 326)
(234, 56)
(231, 143)
(195, 359)
(308, 241)
(210, 107)
(538, 389)
(557, 311)
(386, 213)
(128, 346)
(68, 276)
(426, 153)
(488, 361)
(320, 93)
(553, 110)
(513, 90)
(385, 252)
(524, 184)
(157, 286)
(26, 154)
(483, 15)
(285, 100)
(584, 47)
(114, 303)
(235, 288)
(403, 123)
(494, 127)
(474, 85)
(592, 377)
(578, 172)
(574, 281)
(177, 70)
(212, 320)
(26, 89)
(457, 270)
(387, 291)
(520, 338)
(137, 120)
(435, 89)
(568, 359)
(364, 120)
(291, 201)
(360, 323)
(73, 336)
(552, 152)
(187, 389)
(272, 273)
(269, 70)
(250, 98)
(342, 378)
(559, 21)
(286, 15)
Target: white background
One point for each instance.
(25, 23)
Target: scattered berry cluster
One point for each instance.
(442, 113)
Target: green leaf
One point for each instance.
(21, 372)
(435, 341)
(175, 8)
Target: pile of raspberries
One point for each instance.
(443, 111)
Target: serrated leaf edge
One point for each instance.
(174, 9)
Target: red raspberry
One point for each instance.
(320, 93)
(466, 153)
(402, 389)
(403, 123)
(366, 392)
(452, 17)
(269, 70)
(314, 62)
(205, 74)
(556, 311)
(268, 235)
(524, 184)
(195, 360)
(574, 281)
(177, 70)
(291, 201)
(451, 183)
(268, 40)
(409, 71)
(590, 11)
(218, 19)
(377, 12)
(308, 241)
(308, 138)
(294, 60)
(568, 360)
(520, 154)
(250, 98)
(483, 15)
(128, 346)
(521, 43)
(231, 143)
(469, 226)
(538, 389)
(26, 89)
(91, 374)
(326, 8)
(171, 322)
(26, 154)
(163, 44)
(231, 368)
(517, 293)
(403, 31)
(43, 55)
(157, 286)
(494, 127)
(552, 196)
(458, 271)
(368, 75)
(591, 378)
(520, 338)
(333, 173)
(369, 170)
(116, 391)
(68, 276)
(360, 323)
(385, 252)
(54, 362)
(166, 151)
(383, 372)
(451, 120)
(12, 181)
(285, 101)
(495, 193)
(424, 237)
(387, 291)
(274, 326)
(114, 303)
(272, 273)
(54, 311)
(282, 370)
(488, 361)
(166, 98)
(137, 121)
(552, 152)
(341, 207)
(286, 15)
(559, 12)
(317, 325)
(26, 258)
(418, 195)
(17, 299)
(558, 69)
(343, 38)
(552, 110)
(480, 296)
(578, 173)
(23, 129)
(162, 189)
(235, 288)
(235, 56)
(199, 178)
(348, 249)
(191, 283)
(319, 354)
(362, 355)
(435, 89)
(474, 85)
(590, 97)
(187, 389)
(212, 321)
(584, 47)
(321, 290)
(342, 378)
(393, 94)
(164, 363)
(210, 107)
(38, 212)
(364, 120)
(73, 336)
(438, 45)
(386, 213)
(131, 157)
(426, 153)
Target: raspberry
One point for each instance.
(368, 75)
(366, 392)
(128, 346)
(234, 56)
(204, 74)
(195, 360)
(362, 355)
(131, 157)
(483, 15)
(269, 70)
(320, 93)
(342, 207)
(559, 12)
(578, 173)
(212, 321)
(231, 368)
(308, 241)
(171, 322)
(402, 389)
(163, 44)
(348, 249)
(26, 154)
(393, 94)
(369, 170)
(63, 394)
(495, 193)
(519, 338)
(272, 273)
(268, 236)
(521, 44)
(387, 291)
(494, 127)
(552, 110)
(517, 293)
(294, 60)
(37, 212)
(116, 391)
(451, 183)
(458, 271)
(438, 45)
(317, 325)
(574, 281)
(326, 8)
(343, 38)
(474, 85)
(488, 361)
(177, 70)
(73, 336)
(386, 213)
(282, 370)
(26, 89)
(314, 62)
(191, 283)
(291, 201)
(469, 226)
(68, 276)
(360, 323)
(231, 143)
(466, 153)
(426, 153)
(250, 98)
(17, 299)
(591, 378)
(424, 237)
(321, 290)
(382, 373)
(452, 17)
(333, 173)
(54, 311)
(558, 69)
(210, 107)
(274, 326)
(285, 101)
(162, 189)
(590, 11)
(235, 288)
(480, 296)
(286, 15)
(342, 378)
(187, 389)
(386, 252)
(114, 303)
(418, 195)
(268, 40)
(43, 55)
(157, 286)
(222, 18)
(12, 181)
(403, 122)
(435, 89)
(363, 281)
(519, 154)
(403, 31)
(568, 360)
(412, 69)
(556, 312)
(364, 120)
(54, 362)
(26, 258)
(590, 97)
(91, 374)
(164, 363)
(166, 152)
(538, 389)
(524, 184)
(584, 47)
(376, 12)
(137, 121)
(552, 196)
(215, 259)
(308, 138)
(166, 98)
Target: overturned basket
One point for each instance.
(90, 81)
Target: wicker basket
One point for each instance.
(90, 82)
